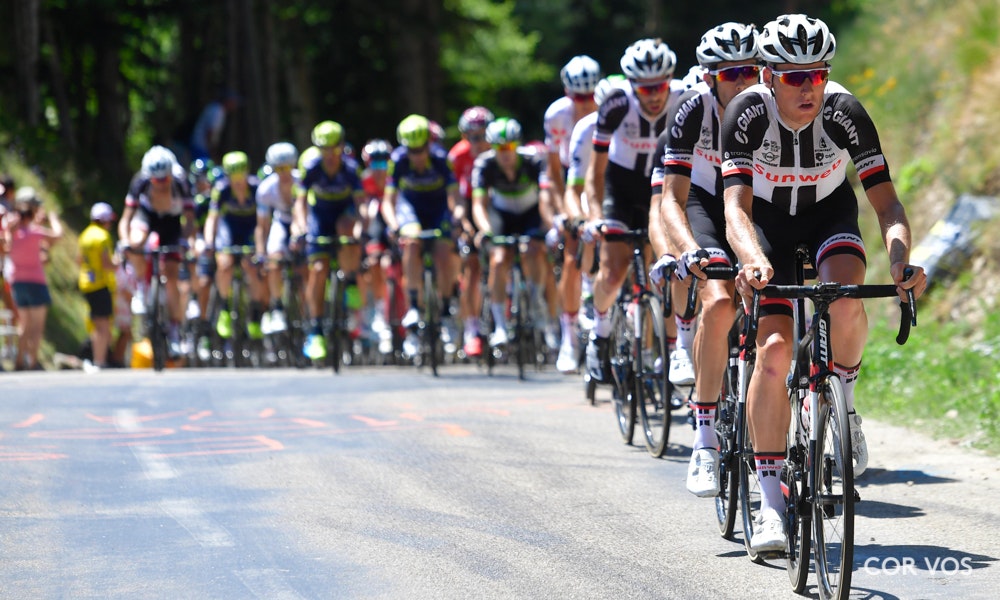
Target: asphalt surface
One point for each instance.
(389, 483)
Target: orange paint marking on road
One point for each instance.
(456, 430)
(200, 415)
(254, 425)
(267, 413)
(22, 456)
(33, 419)
(215, 446)
(372, 422)
(308, 422)
(102, 434)
(139, 418)
(411, 417)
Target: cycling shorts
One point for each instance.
(166, 226)
(508, 223)
(433, 217)
(706, 215)
(626, 197)
(828, 228)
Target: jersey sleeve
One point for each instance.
(743, 130)
(683, 131)
(609, 116)
(849, 126)
(480, 174)
(554, 132)
(656, 178)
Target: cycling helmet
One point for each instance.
(437, 132)
(580, 75)
(235, 162)
(281, 154)
(605, 86)
(414, 131)
(158, 162)
(649, 59)
(473, 118)
(693, 76)
(376, 150)
(729, 42)
(200, 169)
(503, 131)
(327, 133)
(796, 39)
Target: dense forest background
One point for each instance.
(92, 83)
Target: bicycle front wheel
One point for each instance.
(797, 515)
(520, 314)
(620, 350)
(157, 329)
(833, 504)
(651, 388)
(433, 348)
(338, 321)
(726, 421)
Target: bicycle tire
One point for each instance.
(728, 416)
(519, 314)
(652, 391)
(486, 327)
(237, 316)
(833, 498)
(432, 346)
(335, 340)
(157, 331)
(619, 345)
(798, 521)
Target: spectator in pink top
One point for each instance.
(27, 240)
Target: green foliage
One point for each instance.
(944, 380)
(976, 46)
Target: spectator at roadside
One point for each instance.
(7, 192)
(207, 132)
(27, 240)
(97, 279)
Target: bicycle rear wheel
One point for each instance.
(620, 350)
(798, 519)
(726, 420)
(833, 504)
(432, 347)
(486, 327)
(338, 321)
(651, 388)
(157, 330)
(521, 315)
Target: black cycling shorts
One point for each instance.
(626, 196)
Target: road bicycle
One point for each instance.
(818, 476)
(430, 351)
(638, 352)
(527, 310)
(335, 326)
(241, 349)
(287, 343)
(157, 321)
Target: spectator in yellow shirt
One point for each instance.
(97, 279)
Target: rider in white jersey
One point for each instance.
(275, 200)
(785, 148)
(689, 177)
(617, 183)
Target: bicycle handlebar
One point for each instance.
(716, 271)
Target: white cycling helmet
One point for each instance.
(649, 59)
(694, 76)
(158, 162)
(729, 42)
(281, 154)
(605, 86)
(580, 75)
(796, 39)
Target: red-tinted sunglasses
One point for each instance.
(648, 89)
(582, 97)
(731, 74)
(797, 78)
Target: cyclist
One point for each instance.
(157, 199)
(617, 182)
(785, 147)
(462, 156)
(580, 77)
(375, 155)
(275, 199)
(575, 210)
(689, 177)
(506, 201)
(328, 196)
(200, 178)
(421, 194)
(232, 219)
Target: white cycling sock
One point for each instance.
(568, 322)
(602, 323)
(685, 333)
(499, 314)
(471, 327)
(586, 285)
(769, 466)
(704, 432)
(848, 377)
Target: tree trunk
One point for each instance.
(26, 36)
(57, 78)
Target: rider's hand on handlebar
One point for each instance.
(917, 281)
(747, 279)
(691, 263)
(662, 268)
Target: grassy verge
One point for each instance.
(940, 382)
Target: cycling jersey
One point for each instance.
(270, 202)
(794, 170)
(517, 195)
(166, 224)
(461, 160)
(690, 144)
(558, 122)
(330, 196)
(580, 145)
(421, 195)
(629, 138)
(237, 220)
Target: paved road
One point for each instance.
(388, 483)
